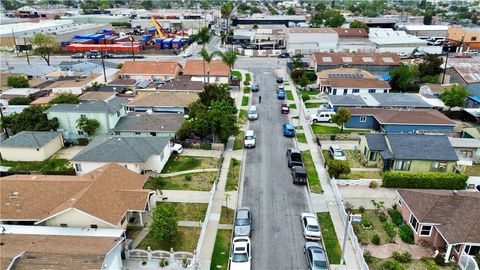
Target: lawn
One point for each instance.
(365, 235)
(189, 211)
(195, 181)
(411, 265)
(295, 117)
(301, 138)
(312, 105)
(312, 175)
(362, 175)
(221, 251)
(292, 106)
(233, 175)
(49, 166)
(244, 101)
(289, 94)
(242, 116)
(473, 170)
(186, 240)
(309, 92)
(237, 74)
(246, 89)
(226, 217)
(332, 246)
(238, 143)
(183, 163)
(248, 77)
(321, 129)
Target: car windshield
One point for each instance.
(289, 128)
(249, 137)
(242, 222)
(320, 264)
(313, 228)
(252, 112)
(239, 257)
(338, 153)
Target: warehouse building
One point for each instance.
(425, 31)
(310, 40)
(389, 40)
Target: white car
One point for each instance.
(311, 229)
(177, 148)
(250, 140)
(253, 113)
(241, 257)
(187, 54)
(322, 116)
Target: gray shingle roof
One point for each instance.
(376, 142)
(30, 139)
(421, 147)
(155, 122)
(400, 100)
(348, 100)
(122, 149)
(112, 105)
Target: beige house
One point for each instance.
(150, 70)
(31, 146)
(109, 197)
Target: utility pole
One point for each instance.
(102, 55)
(445, 68)
(26, 50)
(14, 42)
(4, 126)
(133, 51)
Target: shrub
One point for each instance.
(188, 177)
(382, 216)
(246, 89)
(376, 239)
(338, 167)
(246, 83)
(20, 101)
(396, 216)
(361, 209)
(366, 223)
(391, 265)
(82, 141)
(17, 81)
(440, 259)
(163, 262)
(367, 255)
(431, 265)
(406, 234)
(431, 180)
(348, 207)
(402, 257)
(373, 184)
(389, 228)
(477, 258)
(305, 96)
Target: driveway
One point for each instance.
(362, 196)
(68, 153)
(276, 203)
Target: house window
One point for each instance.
(371, 90)
(402, 165)
(372, 156)
(400, 201)
(426, 230)
(355, 91)
(414, 222)
(118, 113)
(83, 116)
(137, 133)
(63, 225)
(472, 250)
(117, 132)
(78, 167)
(80, 132)
(385, 90)
(439, 166)
(466, 153)
(473, 39)
(345, 92)
(363, 119)
(153, 134)
(334, 91)
(93, 226)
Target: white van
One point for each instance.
(250, 140)
(322, 116)
(253, 113)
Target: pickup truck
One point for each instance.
(299, 175)
(294, 157)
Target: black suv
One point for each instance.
(299, 175)
(279, 80)
(294, 157)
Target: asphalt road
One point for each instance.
(276, 203)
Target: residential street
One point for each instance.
(276, 203)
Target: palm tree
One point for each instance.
(226, 11)
(207, 57)
(229, 58)
(204, 36)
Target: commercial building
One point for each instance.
(287, 20)
(376, 22)
(310, 40)
(464, 38)
(389, 40)
(425, 31)
(271, 36)
(353, 40)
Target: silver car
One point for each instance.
(243, 222)
(315, 256)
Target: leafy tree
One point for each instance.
(204, 5)
(204, 36)
(403, 77)
(359, 24)
(431, 65)
(147, 4)
(223, 120)
(333, 18)
(207, 57)
(455, 96)
(428, 18)
(89, 126)
(164, 225)
(255, 27)
(17, 81)
(56, 17)
(338, 167)
(20, 101)
(213, 92)
(11, 4)
(65, 98)
(320, 6)
(44, 46)
(30, 119)
(341, 117)
(291, 11)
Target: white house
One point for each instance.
(310, 40)
(358, 85)
(31, 146)
(138, 154)
(217, 70)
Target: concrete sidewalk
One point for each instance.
(201, 153)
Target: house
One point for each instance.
(466, 148)
(57, 248)
(409, 152)
(381, 100)
(340, 85)
(310, 40)
(7, 95)
(181, 86)
(465, 71)
(447, 220)
(376, 63)
(389, 40)
(138, 154)
(353, 40)
(106, 112)
(43, 100)
(74, 85)
(31, 146)
(471, 132)
(176, 102)
(149, 124)
(464, 38)
(400, 120)
(146, 70)
(110, 196)
(96, 95)
(218, 71)
(473, 102)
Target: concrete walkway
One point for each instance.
(201, 153)
(187, 172)
(365, 169)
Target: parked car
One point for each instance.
(472, 52)
(288, 130)
(255, 87)
(283, 55)
(77, 56)
(336, 152)
(315, 256)
(311, 229)
(177, 148)
(294, 157)
(253, 113)
(322, 116)
(241, 256)
(279, 80)
(281, 95)
(250, 140)
(299, 175)
(243, 222)
(285, 108)
(280, 88)
(187, 54)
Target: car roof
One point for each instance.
(295, 150)
(287, 125)
(243, 213)
(336, 147)
(299, 169)
(253, 107)
(249, 133)
(318, 254)
(311, 221)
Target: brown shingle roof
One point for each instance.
(367, 59)
(182, 85)
(73, 82)
(359, 82)
(96, 95)
(310, 30)
(395, 116)
(351, 32)
(458, 214)
(103, 193)
(164, 99)
(195, 68)
(43, 100)
(150, 68)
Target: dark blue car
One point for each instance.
(281, 95)
(288, 130)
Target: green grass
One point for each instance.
(310, 93)
(186, 240)
(183, 163)
(195, 181)
(221, 251)
(233, 175)
(289, 94)
(312, 175)
(362, 175)
(321, 129)
(237, 74)
(189, 211)
(242, 116)
(51, 165)
(245, 101)
(301, 138)
(238, 143)
(292, 106)
(332, 246)
(312, 105)
(295, 117)
(246, 89)
(226, 217)
(248, 77)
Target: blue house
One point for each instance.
(400, 120)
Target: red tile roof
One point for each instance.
(150, 68)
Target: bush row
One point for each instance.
(433, 180)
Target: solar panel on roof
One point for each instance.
(142, 84)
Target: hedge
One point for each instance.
(433, 180)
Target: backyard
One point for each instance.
(49, 166)
(376, 264)
(322, 129)
(221, 251)
(189, 211)
(183, 163)
(233, 175)
(312, 175)
(332, 246)
(365, 233)
(194, 181)
(185, 240)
